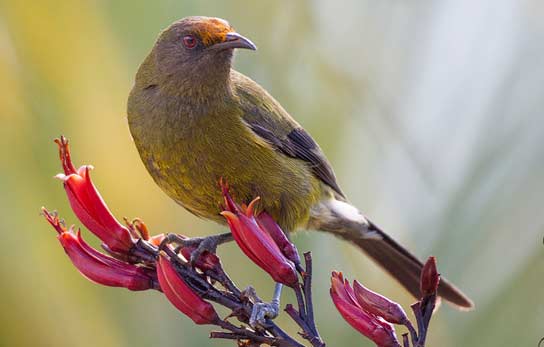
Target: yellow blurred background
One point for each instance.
(430, 111)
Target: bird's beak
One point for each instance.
(235, 40)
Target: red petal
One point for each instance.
(378, 304)
(91, 209)
(338, 284)
(235, 227)
(182, 296)
(267, 223)
(101, 268)
(229, 203)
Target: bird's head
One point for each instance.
(201, 46)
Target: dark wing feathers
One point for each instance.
(299, 144)
(267, 135)
(271, 122)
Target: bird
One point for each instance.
(196, 120)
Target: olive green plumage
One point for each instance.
(195, 120)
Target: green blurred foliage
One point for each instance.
(431, 113)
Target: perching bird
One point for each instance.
(195, 120)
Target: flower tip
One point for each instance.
(337, 281)
(230, 216)
(432, 261)
(53, 219)
(225, 191)
(49, 216)
(430, 278)
(63, 144)
(251, 207)
(378, 304)
(64, 153)
(85, 170)
(223, 184)
(62, 177)
(338, 275)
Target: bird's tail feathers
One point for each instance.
(345, 221)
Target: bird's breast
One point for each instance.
(187, 155)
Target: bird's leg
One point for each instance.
(266, 310)
(201, 244)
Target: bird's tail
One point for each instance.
(345, 221)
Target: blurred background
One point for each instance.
(430, 111)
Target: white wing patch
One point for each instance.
(346, 211)
(341, 217)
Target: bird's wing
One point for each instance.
(265, 116)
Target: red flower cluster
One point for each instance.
(373, 314)
(256, 241)
(120, 241)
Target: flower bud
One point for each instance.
(430, 278)
(182, 296)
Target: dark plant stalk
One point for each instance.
(234, 299)
(307, 286)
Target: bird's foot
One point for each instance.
(263, 311)
(199, 244)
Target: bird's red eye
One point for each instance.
(189, 41)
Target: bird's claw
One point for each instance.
(263, 311)
(206, 244)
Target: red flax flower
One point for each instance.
(96, 266)
(372, 326)
(256, 243)
(89, 206)
(182, 296)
